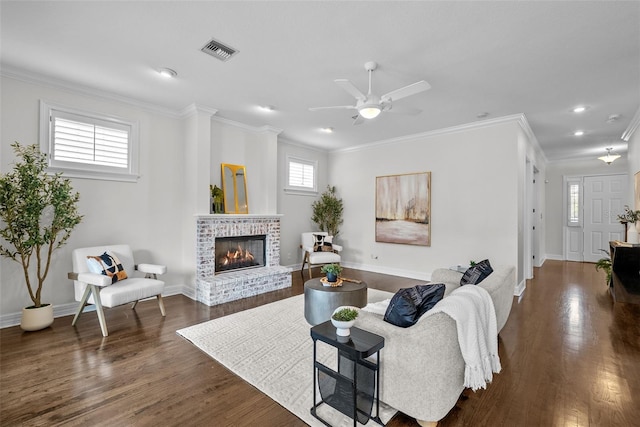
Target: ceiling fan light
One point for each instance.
(369, 112)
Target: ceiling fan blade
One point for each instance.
(335, 107)
(350, 88)
(403, 92)
(358, 120)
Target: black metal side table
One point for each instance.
(354, 388)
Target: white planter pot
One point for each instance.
(343, 328)
(34, 319)
(632, 234)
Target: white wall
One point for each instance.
(554, 195)
(474, 198)
(634, 164)
(296, 208)
(140, 214)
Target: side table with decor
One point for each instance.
(354, 388)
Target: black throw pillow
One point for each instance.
(477, 273)
(409, 304)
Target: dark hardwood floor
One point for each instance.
(570, 357)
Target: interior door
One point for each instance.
(603, 200)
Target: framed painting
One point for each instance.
(403, 209)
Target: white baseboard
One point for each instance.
(69, 309)
(418, 275)
(555, 257)
(519, 290)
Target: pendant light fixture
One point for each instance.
(609, 158)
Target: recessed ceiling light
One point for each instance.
(579, 109)
(267, 108)
(482, 115)
(578, 133)
(167, 73)
(327, 130)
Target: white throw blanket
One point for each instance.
(472, 309)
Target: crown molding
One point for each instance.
(255, 129)
(40, 79)
(193, 109)
(633, 126)
(520, 119)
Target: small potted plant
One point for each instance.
(343, 319)
(332, 271)
(605, 264)
(216, 199)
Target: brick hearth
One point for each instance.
(211, 288)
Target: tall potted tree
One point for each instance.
(327, 212)
(38, 212)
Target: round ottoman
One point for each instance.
(320, 301)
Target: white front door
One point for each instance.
(604, 198)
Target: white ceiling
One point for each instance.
(504, 58)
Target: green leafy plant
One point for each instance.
(38, 213)
(345, 315)
(217, 196)
(629, 215)
(331, 268)
(604, 264)
(327, 212)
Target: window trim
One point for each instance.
(293, 189)
(86, 170)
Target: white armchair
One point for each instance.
(100, 289)
(313, 257)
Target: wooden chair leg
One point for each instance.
(83, 303)
(99, 310)
(304, 261)
(161, 304)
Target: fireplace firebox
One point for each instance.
(239, 252)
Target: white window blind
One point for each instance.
(88, 145)
(301, 175)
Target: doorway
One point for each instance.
(592, 205)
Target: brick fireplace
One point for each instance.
(215, 288)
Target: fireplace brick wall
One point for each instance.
(212, 289)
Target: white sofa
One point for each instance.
(422, 369)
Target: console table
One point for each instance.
(625, 272)
(354, 387)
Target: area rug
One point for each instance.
(270, 347)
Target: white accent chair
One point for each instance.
(312, 258)
(92, 288)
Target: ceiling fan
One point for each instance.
(369, 106)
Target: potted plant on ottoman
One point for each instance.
(332, 271)
(38, 212)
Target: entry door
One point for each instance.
(603, 200)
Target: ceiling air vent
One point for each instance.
(218, 50)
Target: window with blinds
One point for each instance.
(88, 145)
(301, 175)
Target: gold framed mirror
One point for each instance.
(234, 185)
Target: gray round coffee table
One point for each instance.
(320, 301)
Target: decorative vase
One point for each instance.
(332, 277)
(343, 329)
(638, 227)
(36, 318)
(632, 233)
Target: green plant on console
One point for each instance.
(327, 212)
(605, 264)
(217, 196)
(331, 268)
(38, 213)
(345, 315)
